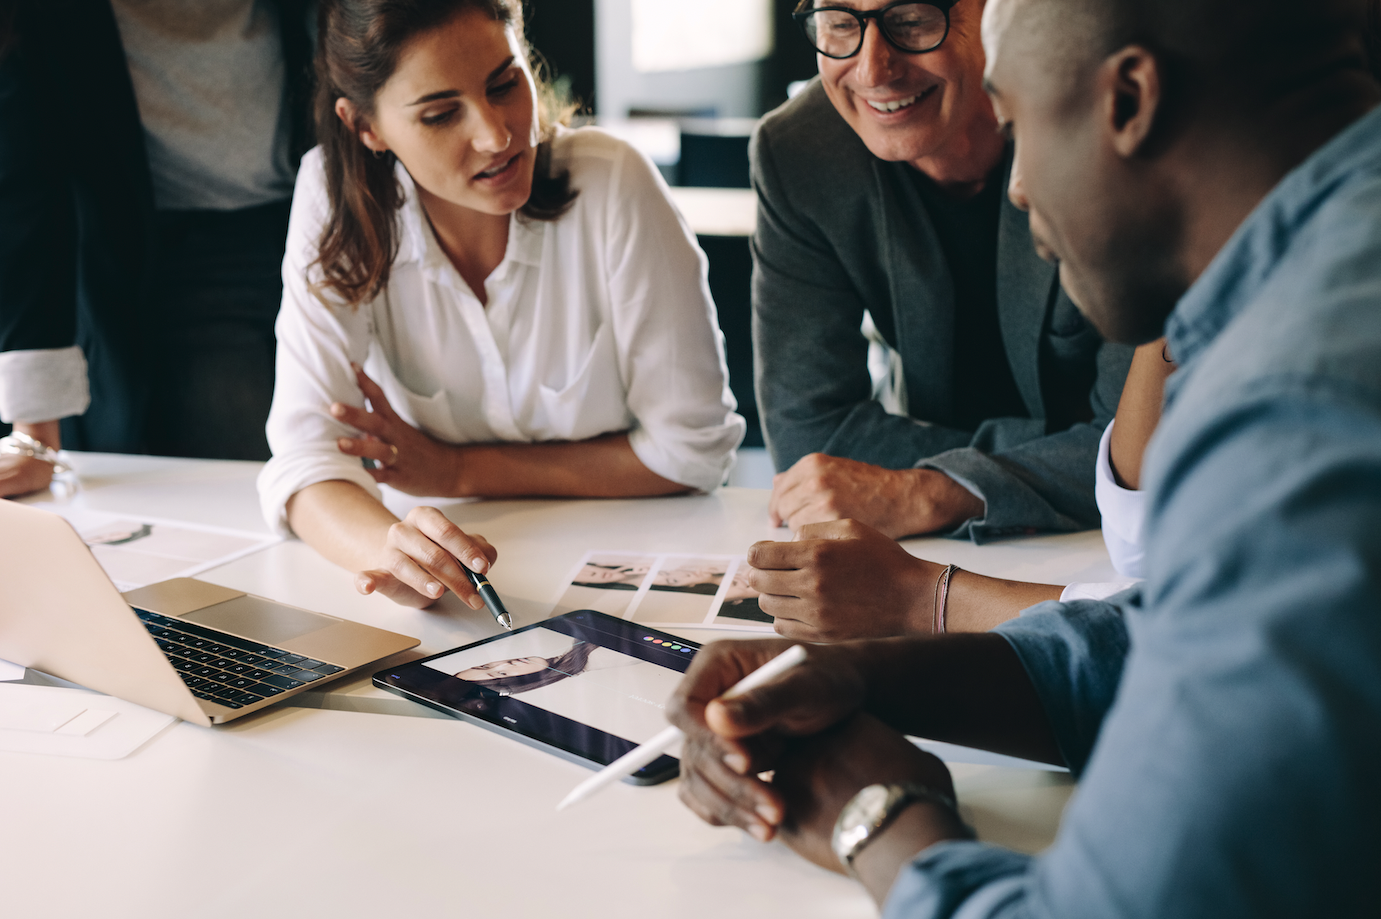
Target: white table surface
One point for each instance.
(355, 802)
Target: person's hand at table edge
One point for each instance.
(897, 502)
(22, 475)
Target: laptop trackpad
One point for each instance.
(260, 620)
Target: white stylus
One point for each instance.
(643, 754)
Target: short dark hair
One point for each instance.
(1219, 35)
(1228, 44)
(1373, 37)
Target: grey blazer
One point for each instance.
(841, 232)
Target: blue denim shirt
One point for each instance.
(1226, 719)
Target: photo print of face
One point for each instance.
(607, 582)
(741, 601)
(690, 575)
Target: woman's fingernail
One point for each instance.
(478, 564)
(434, 589)
(760, 832)
(769, 814)
(476, 602)
(337, 409)
(737, 762)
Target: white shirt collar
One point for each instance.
(419, 243)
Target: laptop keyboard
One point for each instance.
(228, 670)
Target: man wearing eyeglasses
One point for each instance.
(881, 196)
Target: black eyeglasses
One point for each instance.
(915, 28)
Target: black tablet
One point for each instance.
(585, 686)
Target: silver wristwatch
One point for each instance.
(872, 809)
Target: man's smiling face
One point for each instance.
(907, 107)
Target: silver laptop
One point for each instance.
(199, 651)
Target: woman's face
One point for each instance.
(516, 666)
(683, 577)
(599, 574)
(739, 588)
(460, 113)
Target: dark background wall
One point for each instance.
(564, 31)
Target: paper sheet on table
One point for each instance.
(74, 722)
(136, 550)
(10, 671)
(661, 590)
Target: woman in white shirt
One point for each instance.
(520, 305)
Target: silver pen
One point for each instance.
(490, 597)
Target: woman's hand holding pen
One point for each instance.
(404, 457)
(422, 559)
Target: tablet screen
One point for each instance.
(584, 684)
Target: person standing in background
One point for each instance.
(148, 150)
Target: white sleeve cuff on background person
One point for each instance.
(43, 385)
(1096, 590)
(1123, 511)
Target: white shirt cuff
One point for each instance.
(1123, 511)
(1096, 591)
(43, 385)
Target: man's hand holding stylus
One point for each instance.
(808, 726)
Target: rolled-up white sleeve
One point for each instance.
(1124, 513)
(43, 385)
(316, 344)
(670, 349)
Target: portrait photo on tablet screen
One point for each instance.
(583, 683)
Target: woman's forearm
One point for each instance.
(1138, 413)
(603, 467)
(342, 521)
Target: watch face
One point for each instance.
(858, 819)
(868, 804)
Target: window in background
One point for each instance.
(707, 33)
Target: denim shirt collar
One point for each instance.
(1242, 268)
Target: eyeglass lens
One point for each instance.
(914, 27)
